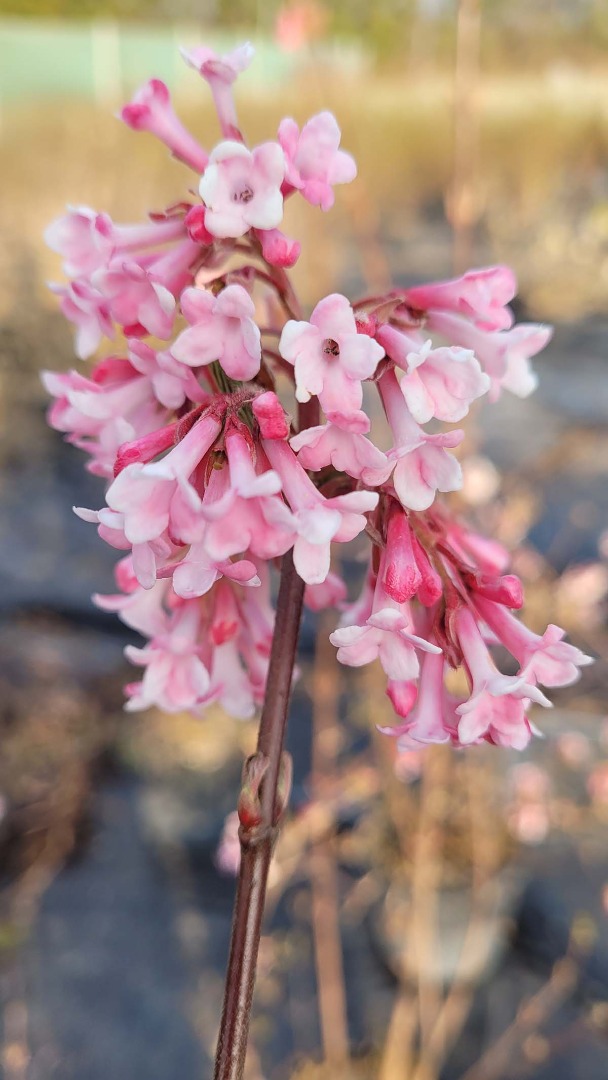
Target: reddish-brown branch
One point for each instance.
(257, 840)
(266, 781)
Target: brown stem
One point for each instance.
(257, 841)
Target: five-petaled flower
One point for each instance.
(241, 188)
(331, 359)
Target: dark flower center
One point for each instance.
(243, 195)
(331, 347)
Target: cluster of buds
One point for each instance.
(210, 479)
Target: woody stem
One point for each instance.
(257, 840)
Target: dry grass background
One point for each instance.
(542, 200)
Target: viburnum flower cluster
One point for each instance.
(211, 478)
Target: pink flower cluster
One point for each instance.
(210, 480)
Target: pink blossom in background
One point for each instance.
(228, 854)
(299, 23)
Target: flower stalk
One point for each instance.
(257, 836)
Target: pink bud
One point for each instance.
(195, 224)
(367, 323)
(270, 415)
(151, 97)
(506, 590)
(402, 578)
(278, 249)
(402, 694)
(146, 448)
(431, 589)
(151, 110)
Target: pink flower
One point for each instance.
(496, 709)
(87, 240)
(198, 572)
(424, 467)
(136, 297)
(231, 684)
(243, 509)
(220, 72)
(439, 383)
(546, 658)
(270, 416)
(402, 694)
(89, 309)
(330, 359)
(175, 677)
(329, 593)
(146, 447)
(429, 720)
(172, 382)
(317, 520)
(100, 414)
(221, 328)
(501, 720)
(83, 237)
(481, 295)
(346, 450)
(401, 577)
(278, 249)
(473, 549)
(154, 497)
(151, 110)
(146, 555)
(224, 68)
(504, 356)
(242, 188)
(386, 634)
(140, 609)
(422, 464)
(314, 162)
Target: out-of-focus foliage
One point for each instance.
(516, 33)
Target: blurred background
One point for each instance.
(433, 916)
